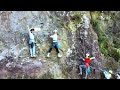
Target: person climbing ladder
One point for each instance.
(54, 44)
(31, 42)
(86, 65)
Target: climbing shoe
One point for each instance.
(59, 55)
(85, 77)
(34, 55)
(31, 56)
(48, 55)
(80, 73)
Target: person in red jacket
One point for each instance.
(86, 60)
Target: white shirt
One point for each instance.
(31, 36)
(54, 37)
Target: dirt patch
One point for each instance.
(10, 69)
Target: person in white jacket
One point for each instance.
(107, 74)
(31, 42)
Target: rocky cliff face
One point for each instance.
(79, 32)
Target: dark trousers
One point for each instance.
(54, 44)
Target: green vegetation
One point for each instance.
(103, 41)
(116, 53)
(74, 19)
(106, 47)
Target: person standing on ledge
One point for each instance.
(32, 42)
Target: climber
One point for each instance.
(86, 65)
(54, 43)
(31, 42)
(107, 74)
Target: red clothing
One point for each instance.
(87, 65)
(87, 60)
